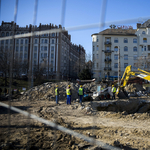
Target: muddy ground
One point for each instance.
(121, 123)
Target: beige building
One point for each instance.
(54, 52)
(131, 43)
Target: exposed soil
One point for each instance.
(121, 128)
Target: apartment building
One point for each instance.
(119, 46)
(54, 52)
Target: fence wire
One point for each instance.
(32, 35)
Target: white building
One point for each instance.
(132, 43)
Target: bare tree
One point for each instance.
(5, 63)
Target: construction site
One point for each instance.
(117, 124)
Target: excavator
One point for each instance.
(121, 93)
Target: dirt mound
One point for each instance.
(46, 91)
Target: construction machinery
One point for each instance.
(121, 93)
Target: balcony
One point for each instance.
(107, 68)
(107, 43)
(107, 60)
(107, 51)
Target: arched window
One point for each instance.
(7, 33)
(143, 32)
(125, 48)
(18, 33)
(125, 40)
(134, 40)
(116, 48)
(134, 49)
(3, 34)
(144, 40)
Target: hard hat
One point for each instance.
(68, 85)
(80, 85)
(56, 85)
(112, 85)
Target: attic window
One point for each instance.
(143, 32)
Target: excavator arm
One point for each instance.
(126, 76)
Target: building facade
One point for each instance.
(121, 46)
(54, 52)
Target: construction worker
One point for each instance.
(81, 93)
(113, 90)
(68, 92)
(57, 94)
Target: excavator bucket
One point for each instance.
(122, 95)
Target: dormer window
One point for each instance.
(143, 32)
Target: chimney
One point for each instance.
(138, 25)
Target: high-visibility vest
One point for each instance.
(56, 91)
(68, 92)
(80, 91)
(114, 90)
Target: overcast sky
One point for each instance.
(86, 13)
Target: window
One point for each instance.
(115, 48)
(17, 41)
(26, 41)
(52, 55)
(143, 32)
(18, 33)
(97, 56)
(52, 48)
(42, 40)
(125, 57)
(107, 39)
(93, 48)
(34, 62)
(97, 65)
(6, 41)
(135, 57)
(42, 55)
(97, 47)
(45, 48)
(3, 34)
(35, 55)
(134, 49)
(93, 57)
(115, 57)
(35, 41)
(26, 48)
(41, 48)
(116, 65)
(45, 55)
(134, 40)
(144, 48)
(45, 40)
(21, 55)
(125, 48)
(108, 48)
(125, 40)
(144, 40)
(7, 33)
(25, 55)
(148, 47)
(52, 41)
(116, 40)
(97, 40)
(21, 41)
(16, 48)
(35, 48)
(22, 32)
(6, 48)
(11, 41)
(53, 34)
(125, 65)
(21, 48)
(2, 42)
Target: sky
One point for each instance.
(83, 16)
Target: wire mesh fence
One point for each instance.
(31, 121)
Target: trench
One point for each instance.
(129, 106)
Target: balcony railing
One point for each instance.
(107, 60)
(107, 51)
(107, 68)
(107, 43)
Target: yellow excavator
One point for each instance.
(121, 93)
